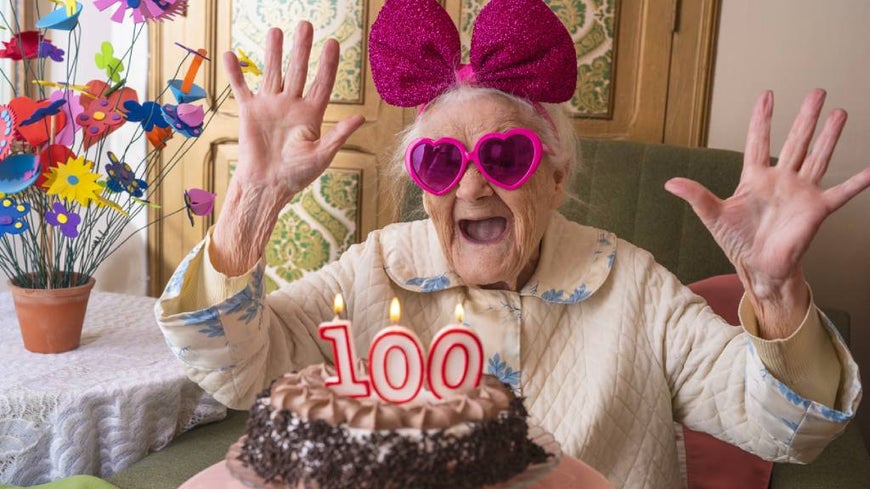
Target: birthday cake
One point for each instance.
(302, 434)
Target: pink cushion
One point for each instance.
(712, 463)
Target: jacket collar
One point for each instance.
(575, 260)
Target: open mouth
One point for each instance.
(483, 231)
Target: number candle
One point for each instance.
(345, 382)
(396, 361)
(455, 360)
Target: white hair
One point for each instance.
(550, 121)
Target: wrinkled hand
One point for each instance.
(767, 225)
(280, 145)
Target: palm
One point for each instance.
(767, 225)
(279, 129)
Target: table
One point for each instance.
(570, 473)
(99, 408)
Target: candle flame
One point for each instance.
(395, 310)
(338, 304)
(460, 313)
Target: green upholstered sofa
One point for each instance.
(621, 189)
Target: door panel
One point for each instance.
(644, 74)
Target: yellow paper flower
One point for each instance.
(74, 181)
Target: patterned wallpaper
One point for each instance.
(339, 19)
(590, 23)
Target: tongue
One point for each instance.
(485, 229)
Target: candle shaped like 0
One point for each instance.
(345, 382)
(396, 361)
(455, 361)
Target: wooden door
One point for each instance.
(644, 74)
(326, 226)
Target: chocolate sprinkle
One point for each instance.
(280, 447)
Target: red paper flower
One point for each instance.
(24, 45)
(103, 115)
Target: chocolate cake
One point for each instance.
(301, 434)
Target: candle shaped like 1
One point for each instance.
(345, 382)
(455, 361)
(396, 361)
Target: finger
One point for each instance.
(237, 79)
(321, 88)
(297, 72)
(757, 151)
(795, 148)
(274, 54)
(816, 164)
(703, 202)
(334, 139)
(837, 196)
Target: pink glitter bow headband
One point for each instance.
(517, 46)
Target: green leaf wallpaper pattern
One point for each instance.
(339, 19)
(590, 23)
(315, 228)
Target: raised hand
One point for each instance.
(281, 150)
(767, 225)
(279, 129)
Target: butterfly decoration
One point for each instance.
(41, 113)
(106, 60)
(247, 65)
(198, 202)
(122, 178)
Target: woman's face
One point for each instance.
(490, 236)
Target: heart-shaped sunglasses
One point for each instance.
(506, 160)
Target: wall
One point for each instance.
(792, 46)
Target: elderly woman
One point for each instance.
(607, 346)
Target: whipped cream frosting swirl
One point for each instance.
(306, 394)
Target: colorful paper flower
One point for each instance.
(12, 216)
(198, 202)
(23, 45)
(248, 66)
(68, 221)
(185, 118)
(7, 131)
(74, 181)
(143, 10)
(50, 157)
(107, 61)
(63, 18)
(147, 114)
(18, 172)
(122, 178)
(98, 121)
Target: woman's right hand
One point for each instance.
(280, 145)
(281, 150)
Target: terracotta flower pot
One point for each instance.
(51, 319)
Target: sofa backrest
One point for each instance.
(620, 187)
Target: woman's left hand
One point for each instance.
(767, 225)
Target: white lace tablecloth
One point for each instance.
(99, 408)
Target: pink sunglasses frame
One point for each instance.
(537, 146)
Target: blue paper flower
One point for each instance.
(12, 216)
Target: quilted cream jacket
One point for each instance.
(608, 348)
